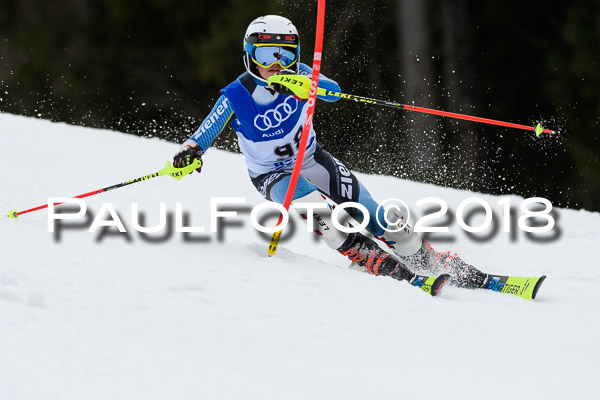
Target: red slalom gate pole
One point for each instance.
(312, 99)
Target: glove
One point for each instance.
(186, 155)
(284, 90)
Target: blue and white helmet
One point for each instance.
(270, 40)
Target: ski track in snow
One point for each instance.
(91, 317)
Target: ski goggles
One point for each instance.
(268, 55)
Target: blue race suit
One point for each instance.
(269, 126)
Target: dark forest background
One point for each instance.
(154, 68)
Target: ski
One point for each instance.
(430, 284)
(526, 288)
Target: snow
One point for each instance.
(92, 316)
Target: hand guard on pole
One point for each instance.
(187, 155)
(285, 90)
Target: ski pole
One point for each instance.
(176, 173)
(312, 100)
(298, 85)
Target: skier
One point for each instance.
(269, 122)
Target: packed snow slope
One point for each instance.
(125, 316)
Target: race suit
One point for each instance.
(269, 126)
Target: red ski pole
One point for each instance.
(176, 173)
(298, 86)
(537, 129)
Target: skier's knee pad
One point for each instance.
(403, 242)
(321, 219)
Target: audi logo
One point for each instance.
(273, 118)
